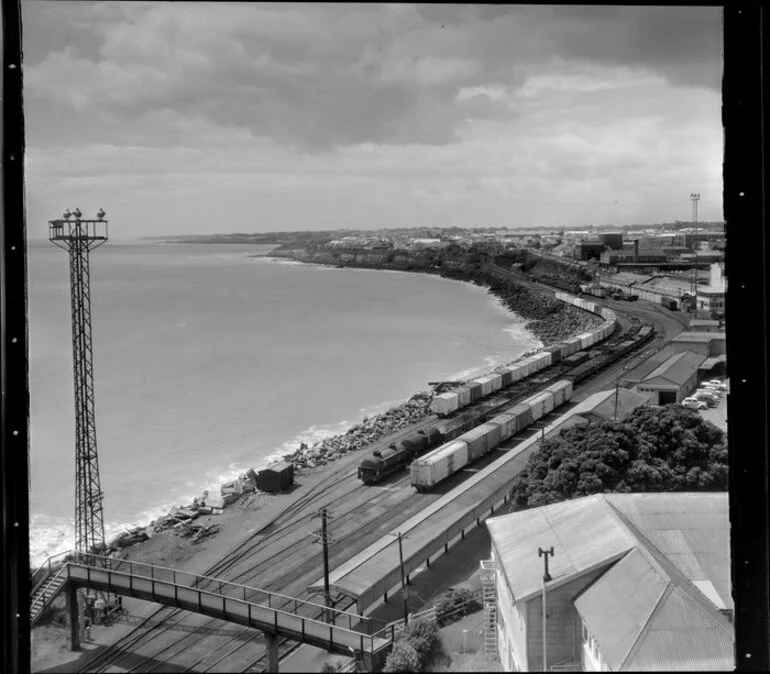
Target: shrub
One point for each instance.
(403, 658)
(455, 604)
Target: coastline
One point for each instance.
(547, 325)
(194, 537)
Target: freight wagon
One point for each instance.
(446, 404)
(391, 459)
(437, 465)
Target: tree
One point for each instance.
(654, 449)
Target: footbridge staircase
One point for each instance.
(274, 614)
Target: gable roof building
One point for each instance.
(639, 582)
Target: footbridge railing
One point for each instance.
(267, 611)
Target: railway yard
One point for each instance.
(280, 556)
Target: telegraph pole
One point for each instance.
(546, 578)
(404, 591)
(324, 537)
(617, 390)
(79, 237)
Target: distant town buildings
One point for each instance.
(639, 582)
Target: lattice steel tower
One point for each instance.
(694, 197)
(79, 237)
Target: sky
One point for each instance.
(194, 118)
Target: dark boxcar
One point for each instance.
(277, 477)
(506, 374)
(555, 352)
(475, 392)
(433, 435)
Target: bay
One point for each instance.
(209, 361)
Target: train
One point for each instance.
(437, 465)
(385, 462)
(450, 402)
(398, 455)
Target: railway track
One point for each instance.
(277, 556)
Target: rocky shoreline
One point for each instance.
(550, 320)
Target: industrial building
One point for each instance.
(587, 250)
(638, 582)
(673, 379)
(704, 343)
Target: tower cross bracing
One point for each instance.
(79, 237)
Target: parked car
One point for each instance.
(694, 404)
(720, 385)
(710, 387)
(707, 397)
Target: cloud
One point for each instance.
(275, 115)
(324, 76)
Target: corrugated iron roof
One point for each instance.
(584, 532)
(701, 337)
(627, 402)
(618, 605)
(681, 637)
(690, 530)
(677, 369)
(712, 362)
(640, 372)
(657, 605)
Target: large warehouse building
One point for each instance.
(639, 582)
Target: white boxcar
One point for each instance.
(530, 363)
(480, 440)
(439, 464)
(540, 404)
(522, 415)
(562, 392)
(464, 397)
(542, 360)
(591, 306)
(562, 296)
(517, 372)
(497, 381)
(572, 346)
(445, 403)
(585, 340)
(507, 423)
(486, 385)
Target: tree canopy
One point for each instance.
(653, 449)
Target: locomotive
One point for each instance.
(398, 455)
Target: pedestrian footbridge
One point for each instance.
(274, 614)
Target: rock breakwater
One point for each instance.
(369, 430)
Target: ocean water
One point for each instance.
(209, 361)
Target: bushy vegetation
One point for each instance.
(418, 649)
(455, 604)
(653, 449)
(403, 658)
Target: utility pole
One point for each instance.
(404, 592)
(695, 197)
(324, 537)
(79, 237)
(617, 389)
(546, 578)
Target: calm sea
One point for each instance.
(208, 362)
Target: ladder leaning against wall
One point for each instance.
(489, 594)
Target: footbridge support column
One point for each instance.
(271, 650)
(73, 616)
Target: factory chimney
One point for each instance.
(636, 251)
